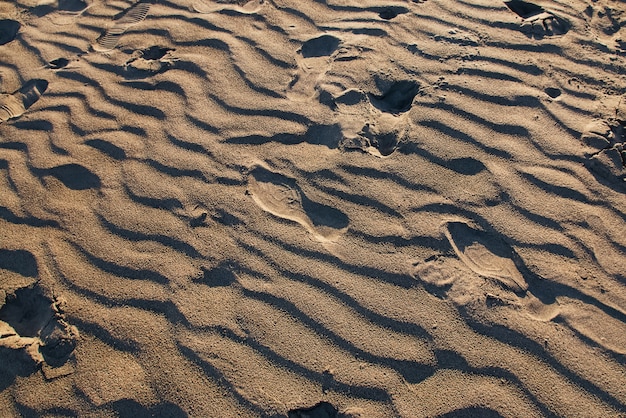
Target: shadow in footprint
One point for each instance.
(58, 63)
(228, 6)
(471, 412)
(220, 276)
(132, 408)
(65, 6)
(73, 176)
(539, 21)
(281, 196)
(467, 166)
(8, 30)
(320, 410)
(321, 46)
(398, 98)
(392, 12)
(553, 92)
(19, 261)
(72, 5)
(28, 312)
(606, 156)
(33, 315)
(148, 62)
(14, 105)
(384, 141)
(524, 9)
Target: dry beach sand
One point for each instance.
(351, 208)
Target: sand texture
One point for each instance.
(312, 208)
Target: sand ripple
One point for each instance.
(350, 208)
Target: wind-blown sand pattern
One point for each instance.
(216, 208)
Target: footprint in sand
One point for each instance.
(608, 24)
(321, 410)
(398, 98)
(380, 136)
(281, 196)
(57, 64)
(386, 125)
(537, 20)
(8, 30)
(32, 321)
(14, 105)
(317, 54)
(69, 10)
(147, 62)
(134, 14)
(605, 142)
(486, 255)
(391, 12)
(242, 6)
(490, 257)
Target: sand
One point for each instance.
(312, 208)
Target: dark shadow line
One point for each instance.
(170, 242)
(144, 110)
(462, 136)
(617, 357)
(14, 145)
(400, 242)
(272, 113)
(295, 12)
(121, 271)
(505, 129)
(175, 172)
(567, 128)
(412, 371)
(402, 327)
(252, 86)
(275, 61)
(400, 280)
(9, 216)
(560, 191)
(189, 146)
(538, 219)
(515, 339)
(515, 101)
(203, 125)
(70, 49)
(530, 69)
(324, 380)
(166, 308)
(85, 101)
(218, 377)
(103, 334)
(544, 48)
(168, 204)
(161, 86)
(107, 148)
(382, 175)
(493, 75)
(360, 200)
